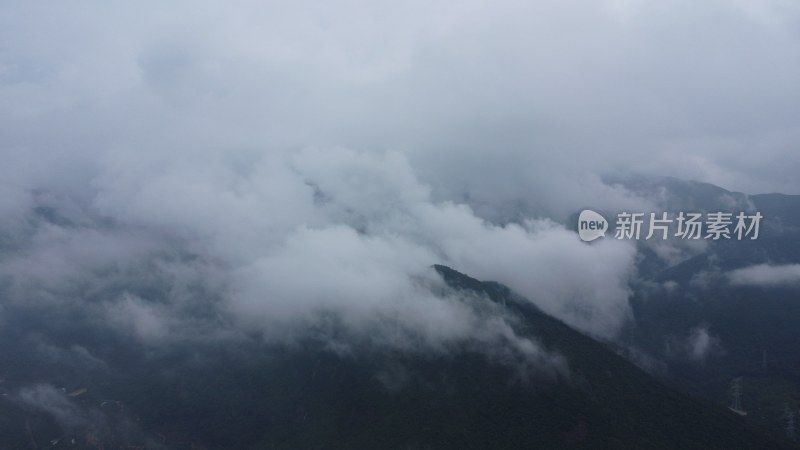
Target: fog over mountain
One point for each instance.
(185, 173)
(346, 139)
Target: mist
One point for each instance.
(190, 172)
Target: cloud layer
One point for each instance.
(300, 236)
(194, 170)
(766, 275)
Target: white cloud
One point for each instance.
(697, 345)
(766, 275)
(701, 343)
(146, 320)
(319, 156)
(55, 402)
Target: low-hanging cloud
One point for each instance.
(201, 251)
(189, 171)
(360, 230)
(485, 98)
(700, 344)
(766, 275)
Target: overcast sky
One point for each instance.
(357, 143)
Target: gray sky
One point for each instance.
(363, 141)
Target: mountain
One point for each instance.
(305, 395)
(749, 331)
(617, 404)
